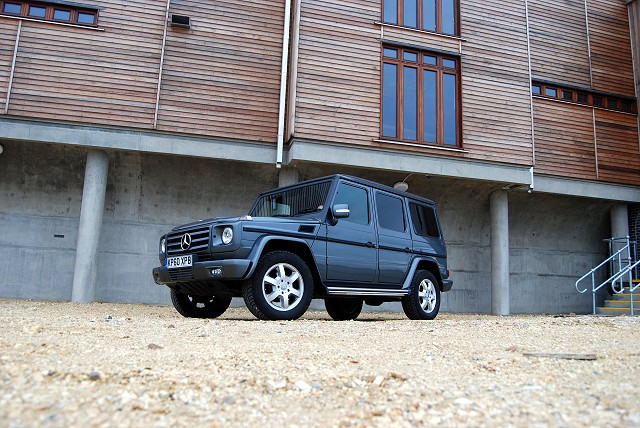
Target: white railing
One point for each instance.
(621, 265)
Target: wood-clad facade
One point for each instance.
(221, 77)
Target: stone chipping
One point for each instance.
(126, 365)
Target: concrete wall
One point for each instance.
(553, 239)
(147, 194)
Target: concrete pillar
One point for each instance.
(91, 211)
(619, 221)
(288, 175)
(499, 208)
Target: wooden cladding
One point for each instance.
(582, 142)
(222, 77)
(582, 43)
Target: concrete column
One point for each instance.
(91, 211)
(288, 175)
(499, 208)
(619, 221)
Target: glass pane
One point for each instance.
(424, 220)
(597, 101)
(627, 106)
(448, 63)
(86, 18)
(357, 199)
(535, 89)
(62, 15)
(390, 212)
(567, 95)
(37, 11)
(411, 56)
(391, 11)
(389, 100)
(429, 15)
(11, 8)
(612, 103)
(430, 107)
(411, 13)
(583, 98)
(390, 53)
(300, 200)
(448, 16)
(551, 92)
(450, 110)
(430, 60)
(410, 106)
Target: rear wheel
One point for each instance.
(343, 309)
(423, 300)
(191, 306)
(281, 287)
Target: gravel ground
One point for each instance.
(64, 364)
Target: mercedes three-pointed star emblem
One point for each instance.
(185, 242)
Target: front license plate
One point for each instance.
(179, 261)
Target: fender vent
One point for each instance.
(306, 229)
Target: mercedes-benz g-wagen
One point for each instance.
(343, 239)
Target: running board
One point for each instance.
(377, 292)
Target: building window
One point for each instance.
(420, 97)
(589, 98)
(54, 11)
(439, 16)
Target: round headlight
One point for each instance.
(163, 246)
(227, 235)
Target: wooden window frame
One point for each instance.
(49, 11)
(591, 95)
(420, 15)
(420, 65)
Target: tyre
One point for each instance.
(281, 287)
(343, 309)
(423, 300)
(191, 306)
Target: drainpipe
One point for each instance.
(164, 45)
(283, 81)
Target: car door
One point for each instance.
(351, 243)
(394, 238)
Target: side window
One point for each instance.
(424, 220)
(358, 201)
(390, 212)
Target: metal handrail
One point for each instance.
(615, 276)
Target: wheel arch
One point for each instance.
(298, 247)
(427, 264)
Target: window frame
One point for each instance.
(399, 7)
(595, 99)
(422, 66)
(50, 8)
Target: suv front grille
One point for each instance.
(199, 243)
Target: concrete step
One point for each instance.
(616, 311)
(626, 296)
(622, 304)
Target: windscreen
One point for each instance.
(292, 202)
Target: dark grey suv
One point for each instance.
(343, 239)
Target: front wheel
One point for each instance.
(423, 300)
(191, 306)
(281, 287)
(343, 309)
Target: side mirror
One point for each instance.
(339, 211)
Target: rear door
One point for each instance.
(394, 238)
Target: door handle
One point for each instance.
(370, 245)
(407, 249)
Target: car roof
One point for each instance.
(357, 180)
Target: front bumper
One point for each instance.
(203, 271)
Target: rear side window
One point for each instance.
(358, 201)
(424, 220)
(390, 212)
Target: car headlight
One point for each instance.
(227, 235)
(163, 246)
